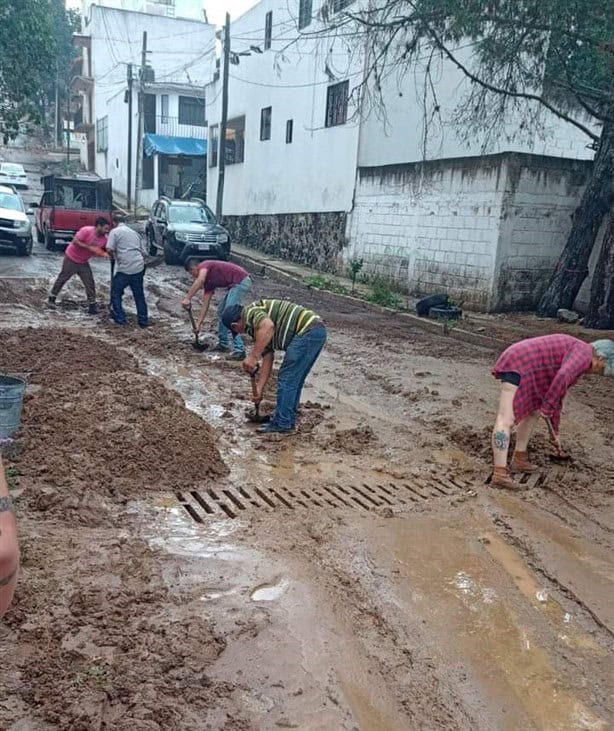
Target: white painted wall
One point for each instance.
(182, 52)
(315, 173)
(396, 133)
(487, 231)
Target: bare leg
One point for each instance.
(503, 425)
(524, 430)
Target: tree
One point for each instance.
(35, 38)
(524, 55)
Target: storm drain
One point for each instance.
(232, 502)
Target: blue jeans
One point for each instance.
(135, 282)
(301, 355)
(233, 296)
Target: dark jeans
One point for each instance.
(301, 355)
(83, 271)
(135, 282)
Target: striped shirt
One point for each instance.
(289, 320)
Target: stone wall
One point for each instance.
(313, 239)
(487, 230)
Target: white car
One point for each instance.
(15, 226)
(12, 173)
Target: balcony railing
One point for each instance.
(173, 127)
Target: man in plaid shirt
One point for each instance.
(535, 375)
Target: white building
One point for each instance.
(188, 9)
(312, 177)
(180, 60)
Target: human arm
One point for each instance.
(577, 362)
(198, 283)
(9, 550)
(111, 244)
(263, 335)
(263, 375)
(95, 250)
(203, 313)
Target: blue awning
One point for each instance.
(175, 146)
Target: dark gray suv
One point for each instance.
(185, 228)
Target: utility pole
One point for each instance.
(138, 186)
(129, 166)
(222, 142)
(56, 119)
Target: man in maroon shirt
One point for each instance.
(535, 375)
(212, 275)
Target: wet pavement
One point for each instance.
(362, 574)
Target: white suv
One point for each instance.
(15, 226)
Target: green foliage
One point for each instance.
(317, 281)
(354, 267)
(12, 475)
(384, 292)
(36, 42)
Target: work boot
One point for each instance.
(520, 463)
(92, 309)
(236, 355)
(219, 348)
(51, 302)
(502, 478)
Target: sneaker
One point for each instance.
(236, 355)
(219, 348)
(143, 325)
(51, 303)
(272, 428)
(92, 309)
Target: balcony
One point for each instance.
(173, 127)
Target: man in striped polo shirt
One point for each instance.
(279, 325)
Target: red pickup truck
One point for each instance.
(68, 204)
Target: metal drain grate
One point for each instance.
(232, 502)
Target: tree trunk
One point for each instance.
(572, 267)
(601, 308)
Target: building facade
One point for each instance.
(180, 60)
(321, 173)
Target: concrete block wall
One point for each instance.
(431, 226)
(536, 216)
(487, 230)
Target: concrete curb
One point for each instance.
(432, 326)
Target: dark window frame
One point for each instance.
(305, 13)
(337, 99)
(266, 123)
(268, 30)
(236, 125)
(191, 111)
(148, 172)
(289, 131)
(337, 6)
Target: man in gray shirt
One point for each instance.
(128, 252)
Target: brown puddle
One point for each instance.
(449, 576)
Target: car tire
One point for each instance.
(40, 237)
(25, 249)
(169, 255)
(49, 241)
(152, 248)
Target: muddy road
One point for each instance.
(182, 572)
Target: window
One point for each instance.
(268, 29)
(102, 134)
(192, 111)
(164, 109)
(337, 104)
(214, 136)
(265, 123)
(289, 131)
(304, 13)
(338, 5)
(235, 140)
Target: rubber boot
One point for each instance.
(92, 309)
(51, 302)
(502, 478)
(520, 463)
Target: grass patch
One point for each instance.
(317, 281)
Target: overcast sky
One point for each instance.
(216, 9)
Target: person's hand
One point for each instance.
(250, 363)
(196, 328)
(257, 397)
(101, 253)
(186, 303)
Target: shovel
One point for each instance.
(557, 453)
(255, 416)
(197, 345)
